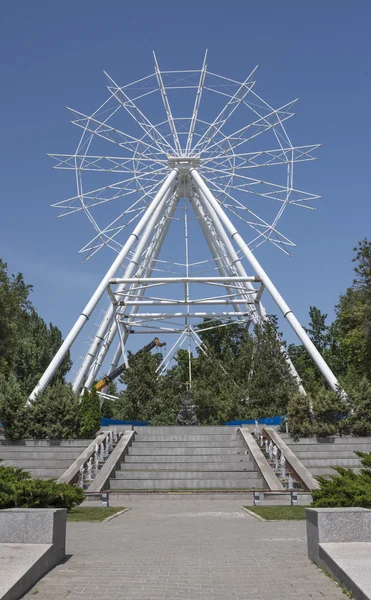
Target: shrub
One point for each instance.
(54, 414)
(360, 420)
(330, 412)
(14, 412)
(107, 410)
(89, 414)
(300, 419)
(347, 488)
(18, 489)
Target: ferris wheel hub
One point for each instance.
(183, 163)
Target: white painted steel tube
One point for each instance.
(72, 335)
(221, 260)
(165, 280)
(146, 268)
(260, 314)
(124, 283)
(271, 288)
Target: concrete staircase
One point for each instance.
(47, 459)
(320, 457)
(190, 458)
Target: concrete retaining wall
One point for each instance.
(33, 541)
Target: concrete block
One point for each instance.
(33, 541)
(33, 526)
(350, 564)
(326, 525)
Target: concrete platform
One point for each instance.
(351, 565)
(21, 566)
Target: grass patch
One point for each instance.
(94, 513)
(279, 513)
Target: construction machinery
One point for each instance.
(105, 381)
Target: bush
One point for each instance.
(360, 420)
(89, 414)
(347, 488)
(14, 412)
(330, 412)
(18, 489)
(107, 410)
(54, 414)
(300, 419)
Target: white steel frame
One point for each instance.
(201, 168)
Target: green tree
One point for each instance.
(107, 409)
(360, 419)
(89, 414)
(27, 344)
(300, 419)
(54, 414)
(14, 412)
(140, 399)
(330, 411)
(353, 314)
(271, 384)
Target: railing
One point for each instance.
(287, 467)
(86, 467)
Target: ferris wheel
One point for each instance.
(166, 168)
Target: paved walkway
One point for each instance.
(186, 550)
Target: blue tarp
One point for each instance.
(265, 421)
(107, 422)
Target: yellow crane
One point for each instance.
(107, 379)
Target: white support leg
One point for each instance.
(260, 314)
(286, 311)
(129, 272)
(145, 269)
(52, 368)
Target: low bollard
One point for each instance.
(256, 498)
(105, 499)
(294, 498)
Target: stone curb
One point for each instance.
(121, 512)
(252, 514)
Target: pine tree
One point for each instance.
(300, 420)
(14, 412)
(360, 420)
(54, 413)
(89, 414)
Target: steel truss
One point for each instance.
(188, 173)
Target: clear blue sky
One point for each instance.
(53, 55)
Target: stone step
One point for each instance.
(169, 450)
(145, 474)
(189, 444)
(330, 447)
(330, 441)
(327, 470)
(188, 437)
(45, 443)
(244, 466)
(331, 462)
(190, 484)
(177, 430)
(41, 454)
(301, 454)
(44, 463)
(45, 473)
(183, 459)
